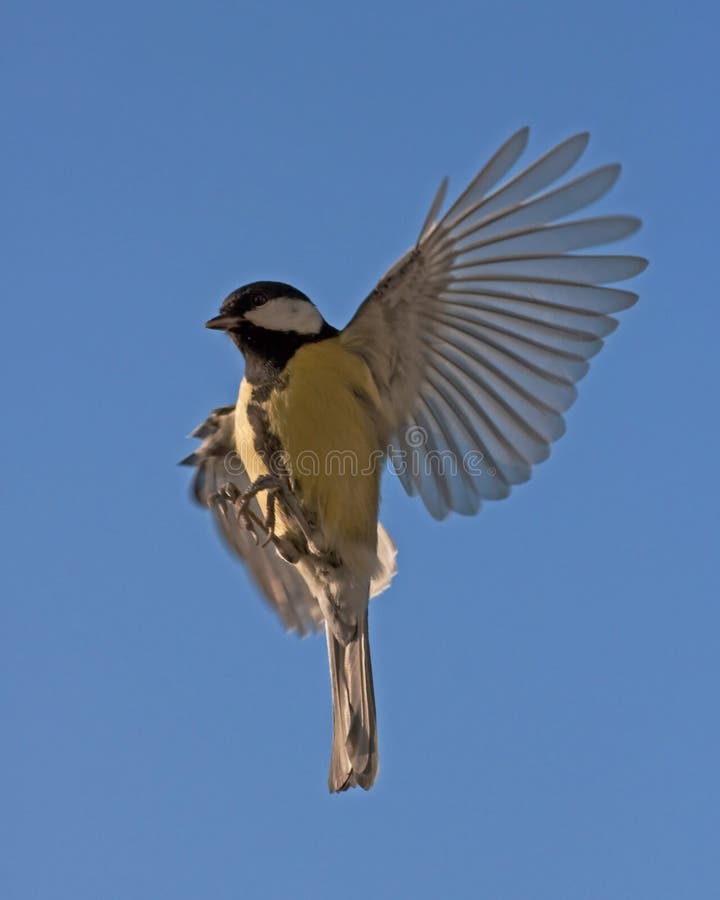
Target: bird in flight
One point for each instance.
(455, 373)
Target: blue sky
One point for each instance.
(547, 674)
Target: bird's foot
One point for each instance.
(275, 487)
(241, 501)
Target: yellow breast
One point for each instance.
(324, 413)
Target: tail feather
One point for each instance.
(354, 759)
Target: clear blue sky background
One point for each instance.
(547, 674)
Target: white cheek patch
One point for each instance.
(286, 314)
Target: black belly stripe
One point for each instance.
(265, 442)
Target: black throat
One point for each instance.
(268, 352)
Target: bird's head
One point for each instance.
(269, 306)
(270, 320)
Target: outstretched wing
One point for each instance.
(217, 464)
(477, 336)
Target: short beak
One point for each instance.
(223, 323)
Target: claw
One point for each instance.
(228, 491)
(243, 518)
(248, 519)
(316, 544)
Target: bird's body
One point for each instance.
(311, 416)
(323, 417)
(460, 363)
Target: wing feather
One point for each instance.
(478, 335)
(536, 177)
(491, 173)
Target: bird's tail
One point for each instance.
(354, 759)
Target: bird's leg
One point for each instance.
(270, 517)
(278, 487)
(283, 545)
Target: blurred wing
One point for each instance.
(279, 581)
(477, 336)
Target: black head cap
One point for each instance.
(257, 293)
(251, 297)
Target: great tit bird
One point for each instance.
(456, 369)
